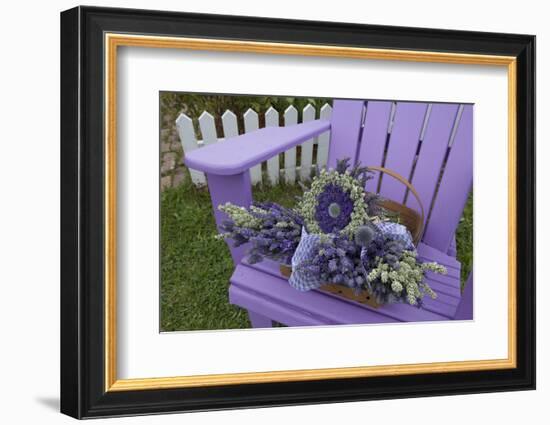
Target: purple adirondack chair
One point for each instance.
(441, 173)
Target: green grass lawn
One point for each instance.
(195, 268)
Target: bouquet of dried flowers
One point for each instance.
(337, 233)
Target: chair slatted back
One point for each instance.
(429, 144)
(346, 122)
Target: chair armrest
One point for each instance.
(237, 154)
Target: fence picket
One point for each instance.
(251, 124)
(323, 139)
(307, 146)
(208, 129)
(272, 120)
(186, 133)
(229, 124)
(291, 118)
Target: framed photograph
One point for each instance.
(261, 212)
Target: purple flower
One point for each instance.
(334, 208)
(347, 264)
(278, 243)
(333, 265)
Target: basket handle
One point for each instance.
(403, 180)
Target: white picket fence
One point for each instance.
(290, 172)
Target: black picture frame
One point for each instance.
(82, 212)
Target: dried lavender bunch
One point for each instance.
(382, 247)
(404, 281)
(336, 259)
(372, 261)
(272, 230)
(347, 261)
(394, 274)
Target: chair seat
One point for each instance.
(261, 289)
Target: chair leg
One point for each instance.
(235, 189)
(259, 321)
(465, 308)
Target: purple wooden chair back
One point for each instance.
(429, 144)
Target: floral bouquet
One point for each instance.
(337, 234)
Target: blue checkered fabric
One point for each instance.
(301, 279)
(397, 232)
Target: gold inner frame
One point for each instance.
(113, 41)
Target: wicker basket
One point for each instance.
(410, 218)
(362, 297)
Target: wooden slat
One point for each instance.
(465, 310)
(433, 254)
(229, 123)
(272, 120)
(426, 119)
(345, 129)
(188, 140)
(308, 114)
(392, 117)
(323, 139)
(374, 137)
(251, 124)
(288, 315)
(291, 118)
(443, 284)
(443, 296)
(409, 118)
(432, 153)
(454, 188)
(208, 129)
(278, 300)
